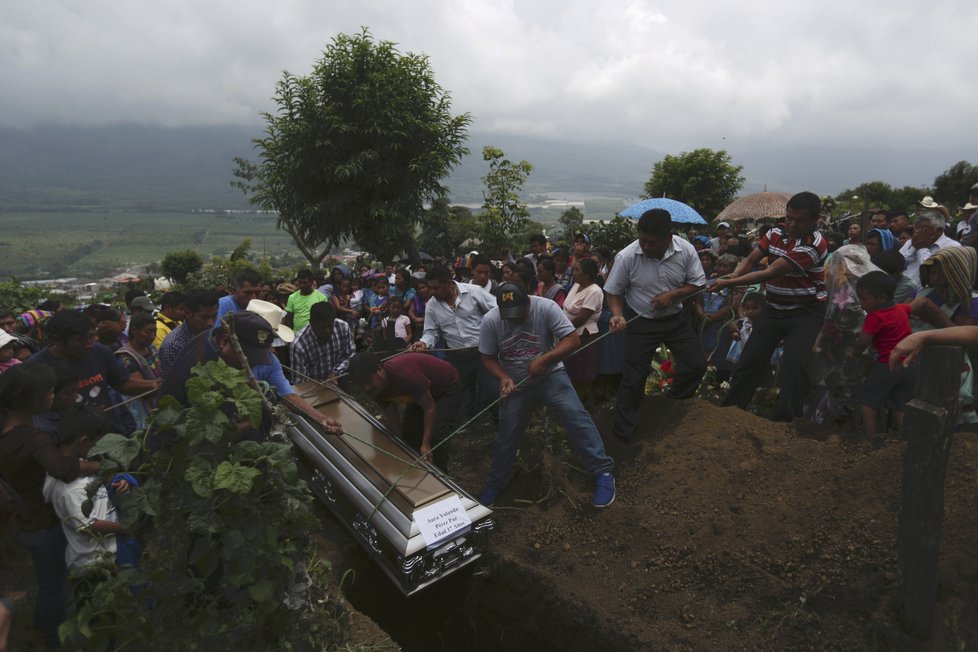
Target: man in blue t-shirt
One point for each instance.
(255, 335)
(522, 342)
(72, 339)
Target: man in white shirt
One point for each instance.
(454, 314)
(650, 279)
(928, 238)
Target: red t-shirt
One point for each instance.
(888, 326)
(805, 283)
(410, 374)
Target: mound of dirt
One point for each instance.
(729, 532)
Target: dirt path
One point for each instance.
(730, 532)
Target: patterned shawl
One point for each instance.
(958, 265)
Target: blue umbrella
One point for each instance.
(680, 212)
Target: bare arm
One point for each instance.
(926, 310)
(331, 425)
(427, 404)
(506, 384)
(909, 347)
(543, 362)
(581, 318)
(136, 385)
(780, 267)
(616, 304)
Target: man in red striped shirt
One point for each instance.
(795, 307)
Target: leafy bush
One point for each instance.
(227, 559)
(17, 297)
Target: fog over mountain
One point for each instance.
(160, 168)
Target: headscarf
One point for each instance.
(887, 239)
(958, 265)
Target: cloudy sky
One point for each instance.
(669, 74)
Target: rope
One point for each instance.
(421, 458)
(131, 399)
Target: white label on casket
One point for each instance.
(441, 520)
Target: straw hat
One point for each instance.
(273, 315)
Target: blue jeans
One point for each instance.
(556, 392)
(47, 548)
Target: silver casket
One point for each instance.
(371, 483)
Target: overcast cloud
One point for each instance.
(671, 75)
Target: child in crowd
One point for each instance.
(396, 325)
(750, 309)
(886, 324)
(417, 307)
(7, 357)
(893, 263)
(91, 538)
(356, 296)
(713, 308)
(377, 301)
(342, 302)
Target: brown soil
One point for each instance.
(728, 532)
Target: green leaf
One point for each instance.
(200, 475)
(119, 448)
(262, 590)
(235, 478)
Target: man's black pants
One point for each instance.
(642, 337)
(798, 328)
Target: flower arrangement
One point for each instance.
(662, 372)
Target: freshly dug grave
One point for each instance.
(728, 532)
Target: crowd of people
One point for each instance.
(439, 344)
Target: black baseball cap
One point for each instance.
(513, 301)
(255, 335)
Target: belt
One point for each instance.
(630, 314)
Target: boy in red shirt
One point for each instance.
(886, 324)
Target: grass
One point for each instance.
(101, 243)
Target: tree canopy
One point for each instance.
(704, 179)
(505, 214)
(573, 221)
(951, 186)
(178, 265)
(445, 228)
(356, 148)
(878, 194)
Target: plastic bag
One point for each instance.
(836, 375)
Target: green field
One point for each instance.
(95, 244)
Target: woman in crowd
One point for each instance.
(948, 277)
(403, 286)
(548, 287)
(878, 241)
(583, 307)
(140, 357)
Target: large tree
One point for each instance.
(355, 149)
(445, 229)
(878, 194)
(573, 222)
(951, 186)
(505, 215)
(704, 179)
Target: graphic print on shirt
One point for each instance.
(519, 348)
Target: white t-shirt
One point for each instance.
(400, 325)
(591, 297)
(84, 547)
